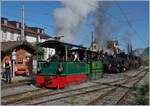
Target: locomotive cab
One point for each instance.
(60, 71)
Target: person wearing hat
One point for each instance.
(7, 66)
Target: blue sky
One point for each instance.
(40, 14)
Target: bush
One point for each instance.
(142, 97)
(143, 90)
(142, 100)
(145, 62)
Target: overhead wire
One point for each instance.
(30, 20)
(129, 23)
(127, 20)
(106, 12)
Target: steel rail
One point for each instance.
(93, 102)
(49, 94)
(126, 93)
(84, 92)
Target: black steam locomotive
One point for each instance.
(116, 63)
(120, 62)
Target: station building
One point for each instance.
(24, 55)
(10, 40)
(11, 31)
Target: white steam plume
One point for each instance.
(69, 17)
(101, 27)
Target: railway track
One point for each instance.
(10, 99)
(82, 93)
(87, 93)
(27, 99)
(21, 97)
(67, 94)
(126, 93)
(13, 98)
(46, 96)
(16, 84)
(103, 99)
(119, 81)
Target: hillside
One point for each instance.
(145, 54)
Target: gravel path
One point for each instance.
(18, 89)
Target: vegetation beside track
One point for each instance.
(142, 95)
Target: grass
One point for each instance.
(142, 97)
(145, 62)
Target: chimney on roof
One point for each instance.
(4, 20)
(42, 31)
(38, 30)
(18, 25)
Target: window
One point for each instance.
(5, 22)
(20, 62)
(38, 39)
(38, 30)
(4, 36)
(42, 31)
(94, 46)
(17, 25)
(12, 36)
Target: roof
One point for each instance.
(10, 45)
(81, 49)
(57, 44)
(11, 25)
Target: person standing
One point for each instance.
(76, 57)
(7, 66)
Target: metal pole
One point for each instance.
(22, 23)
(66, 53)
(92, 36)
(13, 68)
(92, 41)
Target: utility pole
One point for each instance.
(92, 37)
(22, 24)
(21, 39)
(92, 40)
(129, 47)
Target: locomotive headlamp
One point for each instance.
(60, 68)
